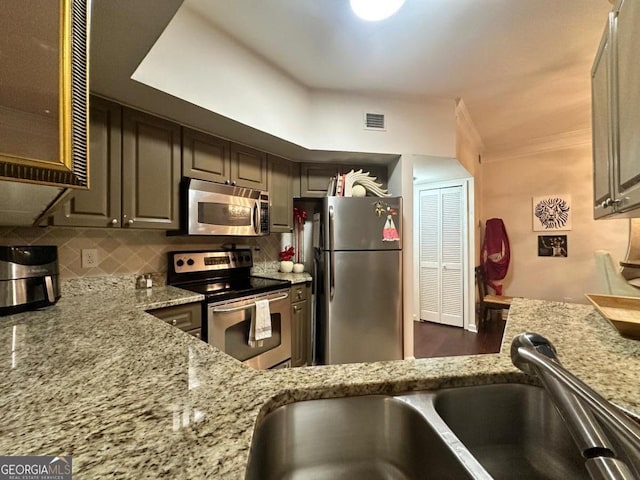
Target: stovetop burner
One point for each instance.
(218, 274)
(225, 290)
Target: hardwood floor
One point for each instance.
(436, 340)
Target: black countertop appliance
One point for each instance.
(28, 278)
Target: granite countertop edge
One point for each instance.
(294, 278)
(123, 389)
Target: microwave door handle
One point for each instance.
(256, 217)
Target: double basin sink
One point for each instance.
(491, 431)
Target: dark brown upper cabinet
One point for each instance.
(150, 171)
(280, 182)
(248, 167)
(136, 175)
(99, 206)
(616, 115)
(314, 177)
(207, 157)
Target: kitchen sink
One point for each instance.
(513, 430)
(490, 431)
(369, 437)
(502, 431)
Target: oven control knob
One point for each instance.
(180, 263)
(190, 262)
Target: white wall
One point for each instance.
(412, 125)
(509, 186)
(194, 61)
(199, 64)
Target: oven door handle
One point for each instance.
(244, 307)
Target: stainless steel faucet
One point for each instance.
(608, 439)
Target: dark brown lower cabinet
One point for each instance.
(300, 325)
(187, 318)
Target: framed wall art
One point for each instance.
(552, 246)
(552, 212)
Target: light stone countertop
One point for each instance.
(130, 397)
(292, 277)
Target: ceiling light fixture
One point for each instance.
(375, 10)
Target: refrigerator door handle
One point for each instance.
(332, 258)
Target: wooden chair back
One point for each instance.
(489, 303)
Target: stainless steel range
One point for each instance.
(229, 308)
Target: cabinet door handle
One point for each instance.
(227, 182)
(296, 308)
(114, 221)
(233, 183)
(130, 221)
(174, 322)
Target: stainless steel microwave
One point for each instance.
(216, 209)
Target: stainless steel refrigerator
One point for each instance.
(358, 256)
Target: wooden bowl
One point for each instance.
(622, 312)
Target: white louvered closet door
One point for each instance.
(441, 255)
(430, 255)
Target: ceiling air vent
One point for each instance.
(374, 121)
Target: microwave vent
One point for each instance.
(374, 121)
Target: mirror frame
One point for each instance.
(71, 168)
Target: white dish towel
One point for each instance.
(260, 323)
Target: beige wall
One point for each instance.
(123, 251)
(508, 187)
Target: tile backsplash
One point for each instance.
(122, 251)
